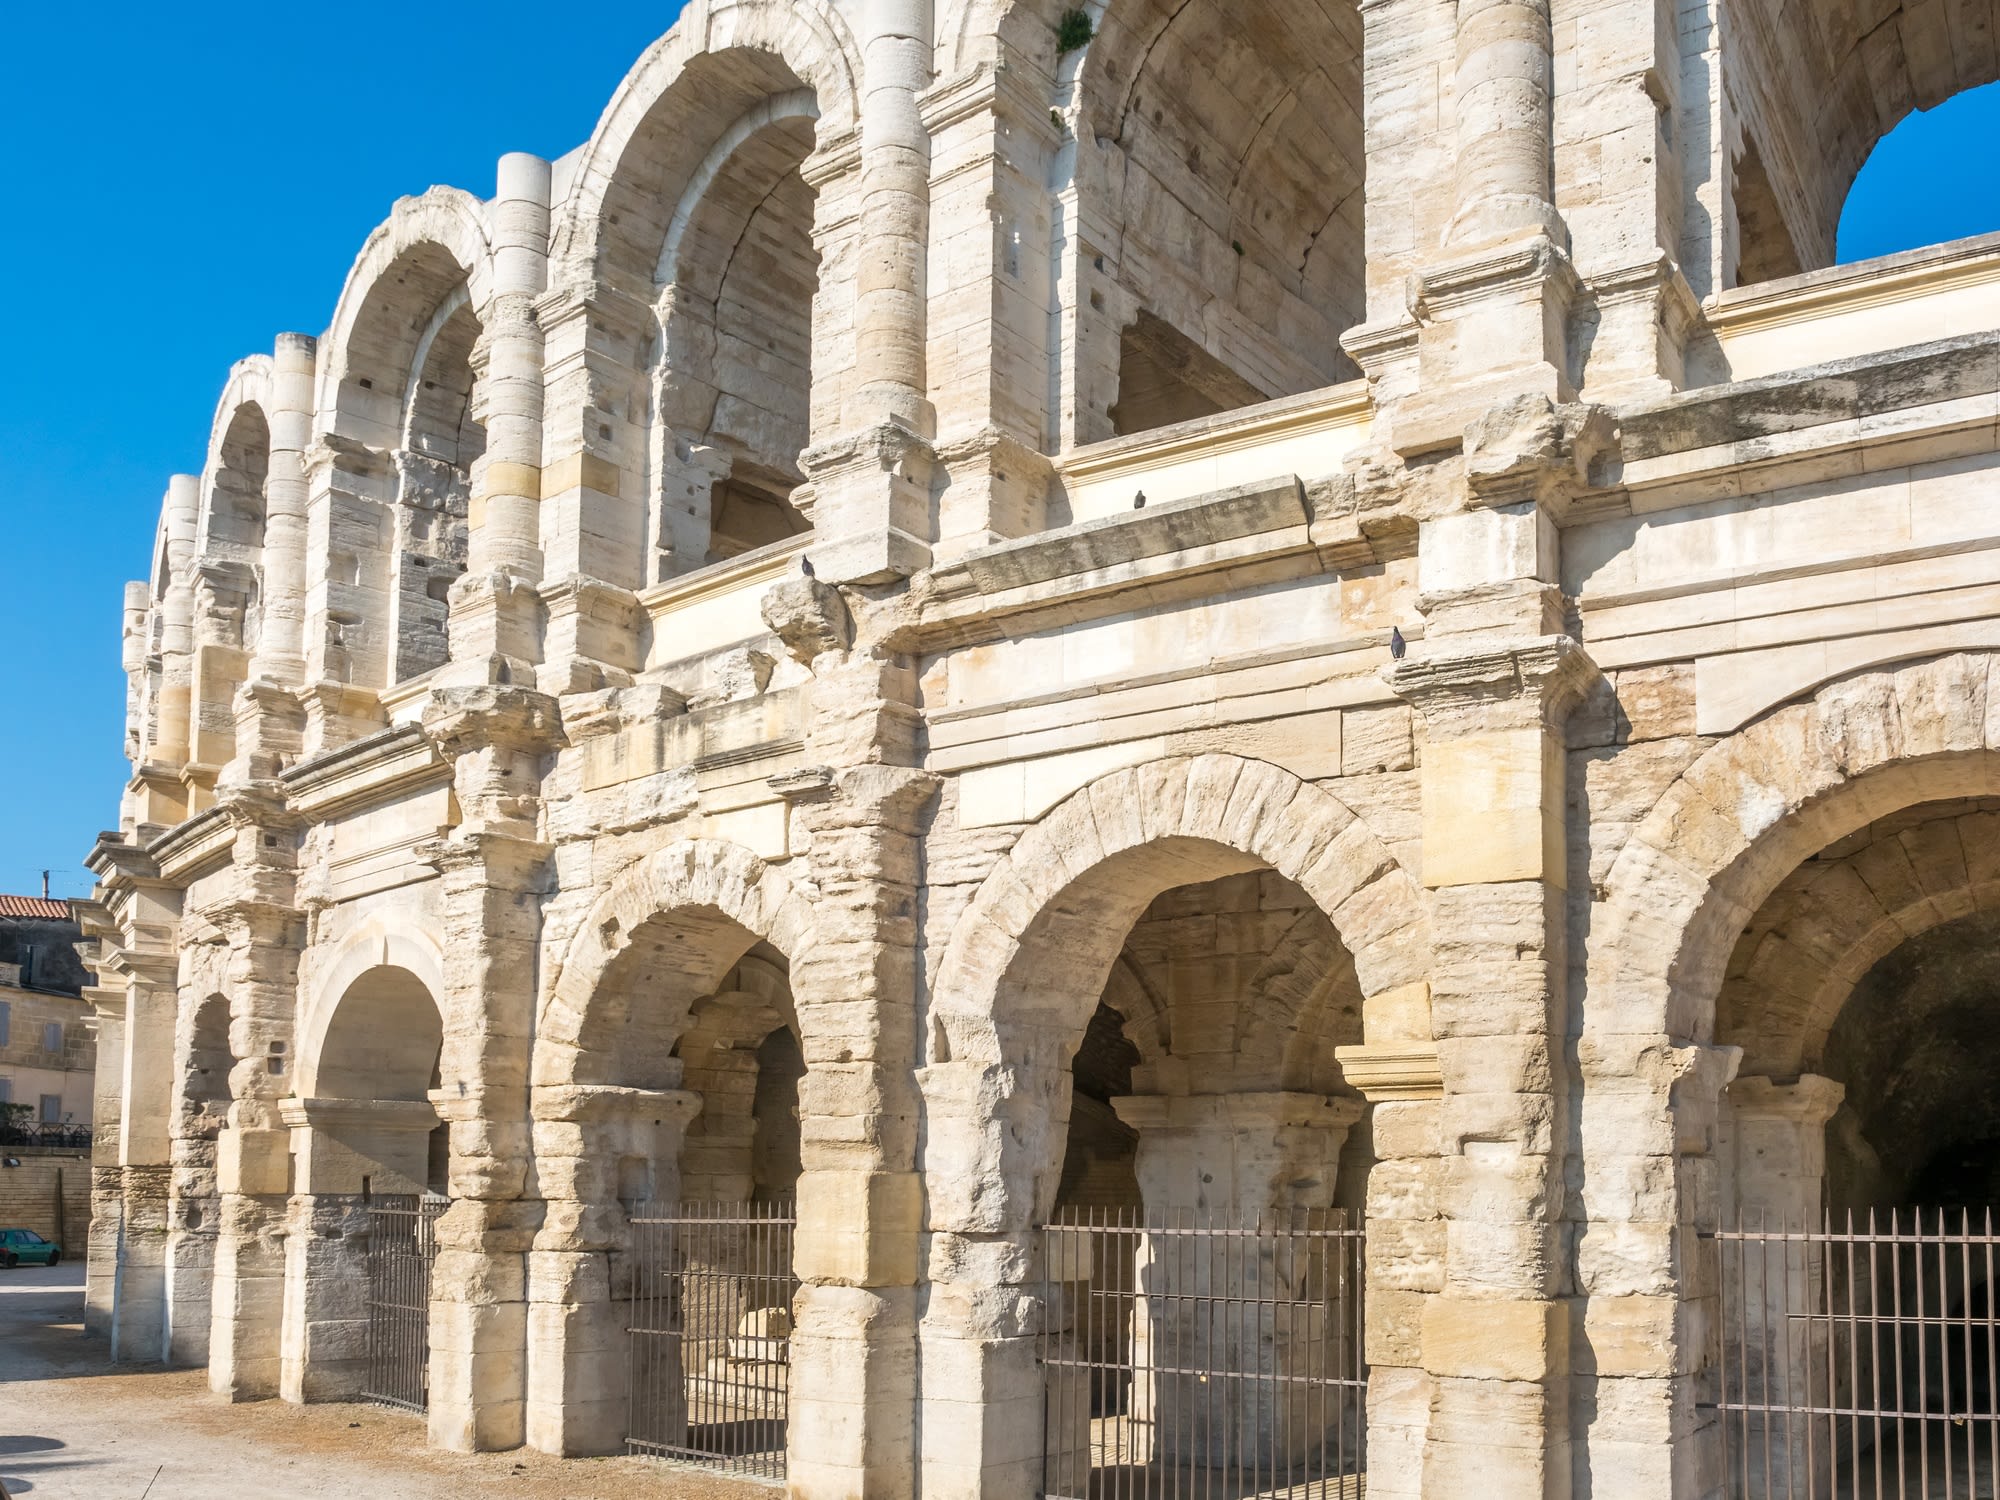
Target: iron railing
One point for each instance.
(57, 1137)
(1861, 1362)
(402, 1245)
(712, 1291)
(1183, 1357)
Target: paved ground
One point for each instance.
(73, 1427)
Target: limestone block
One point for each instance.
(1492, 809)
(859, 1229)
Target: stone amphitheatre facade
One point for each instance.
(1236, 610)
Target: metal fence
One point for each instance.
(1861, 1362)
(402, 1245)
(712, 1291)
(1183, 1357)
(58, 1137)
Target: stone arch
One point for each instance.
(1810, 117)
(1752, 808)
(717, 61)
(239, 447)
(379, 946)
(1224, 150)
(1028, 958)
(672, 926)
(397, 384)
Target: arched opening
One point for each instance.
(1803, 121)
(734, 277)
(365, 1138)
(201, 1110)
(1914, 189)
(1224, 148)
(229, 579)
(669, 1144)
(407, 394)
(1136, 1033)
(1206, 1101)
(1858, 1149)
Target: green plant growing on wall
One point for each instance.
(1073, 31)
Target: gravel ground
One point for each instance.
(75, 1427)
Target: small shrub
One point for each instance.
(1073, 31)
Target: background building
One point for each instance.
(48, 1053)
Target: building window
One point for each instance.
(52, 1037)
(52, 1109)
(6, 1019)
(6, 1091)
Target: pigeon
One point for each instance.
(1139, 501)
(1397, 645)
(806, 565)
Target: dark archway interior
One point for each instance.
(1917, 1046)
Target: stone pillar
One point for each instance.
(597, 1150)
(173, 731)
(993, 144)
(1494, 698)
(107, 1209)
(194, 1212)
(1396, 1070)
(499, 741)
(494, 611)
(287, 493)
(140, 1316)
(1232, 1160)
(259, 917)
(871, 485)
(1772, 1141)
(860, 1199)
(350, 526)
(344, 1152)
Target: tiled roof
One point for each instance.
(34, 906)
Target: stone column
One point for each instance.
(991, 212)
(344, 1152)
(172, 742)
(1232, 1160)
(595, 1147)
(350, 528)
(140, 1329)
(494, 611)
(494, 867)
(107, 1207)
(860, 1199)
(1772, 1141)
(871, 485)
(287, 493)
(1494, 698)
(270, 721)
(260, 919)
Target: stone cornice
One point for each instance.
(383, 765)
(1459, 687)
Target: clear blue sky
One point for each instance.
(189, 181)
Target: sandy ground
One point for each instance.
(74, 1427)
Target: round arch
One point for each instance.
(603, 228)
(1753, 808)
(379, 946)
(435, 240)
(245, 404)
(672, 925)
(1029, 958)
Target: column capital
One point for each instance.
(1459, 691)
(463, 720)
(1809, 1100)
